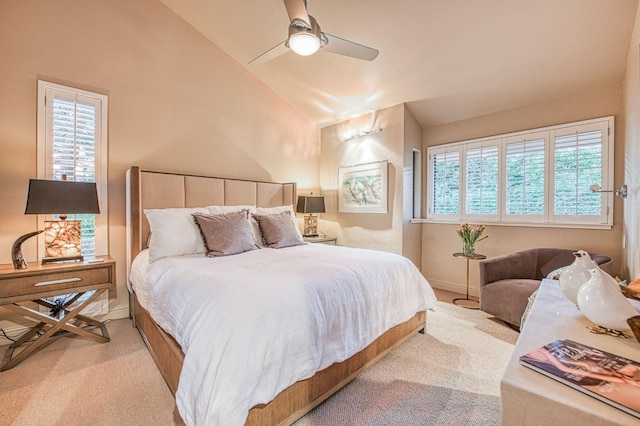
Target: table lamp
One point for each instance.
(310, 204)
(62, 237)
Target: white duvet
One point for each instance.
(252, 324)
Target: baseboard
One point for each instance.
(119, 313)
(453, 287)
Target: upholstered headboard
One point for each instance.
(157, 190)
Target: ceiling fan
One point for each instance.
(306, 38)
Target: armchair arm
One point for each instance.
(515, 265)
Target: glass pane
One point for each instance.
(525, 178)
(446, 183)
(74, 155)
(482, 181)
(578, 165)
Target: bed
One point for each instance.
(158, 190)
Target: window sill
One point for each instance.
(518, 224)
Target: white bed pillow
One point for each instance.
(276, 210)
(229, 209)
(173, 232)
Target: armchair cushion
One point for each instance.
(508, 298)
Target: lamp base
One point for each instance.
(310, 226)
(46, 260)
(61, 241)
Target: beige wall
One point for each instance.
(375, 231)
(393, 231)
(440, 241)
(176, 102)
(631, 227)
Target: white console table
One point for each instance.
(530, 398)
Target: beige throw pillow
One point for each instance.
(226, 234)
(278, 230)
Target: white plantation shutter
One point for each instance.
(579, 154)
(525, 178)
(481, 181)
(542, 177)
(74, 138)
(73, 120)
(445, 184)
(72, 141)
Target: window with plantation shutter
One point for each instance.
(445, 184)
(525, 182)
(481, 181)
(578, 163)
(72, 144)
(541, 177)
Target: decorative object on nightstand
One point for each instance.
(325, 239)
(62, 237)
(310, 204)
(20, 288)
(465, 302)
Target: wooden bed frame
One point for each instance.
(147, 189)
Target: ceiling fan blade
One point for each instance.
(344, 47)
(277, 50)
(297, 9)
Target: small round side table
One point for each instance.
(465, 302)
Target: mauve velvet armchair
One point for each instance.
(507, 281)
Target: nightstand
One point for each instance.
(322, 240)
(39, 282)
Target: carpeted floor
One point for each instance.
(449, 376)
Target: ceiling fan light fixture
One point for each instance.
(304, 44)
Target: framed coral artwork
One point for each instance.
(363, 188)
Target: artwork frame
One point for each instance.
(363, 188)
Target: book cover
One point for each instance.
(602, 375)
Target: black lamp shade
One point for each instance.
(61, 197)
(310, 204)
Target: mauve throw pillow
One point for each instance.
(278, 230)
(226, 234)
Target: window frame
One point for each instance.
(548, 219)
(46, 90)
(606, 165)
(416, 157)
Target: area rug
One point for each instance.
(448, 376)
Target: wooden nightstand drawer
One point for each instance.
(52, 282)
(54, 279)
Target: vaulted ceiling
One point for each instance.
(447, 59)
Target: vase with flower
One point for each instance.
(470, 235)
